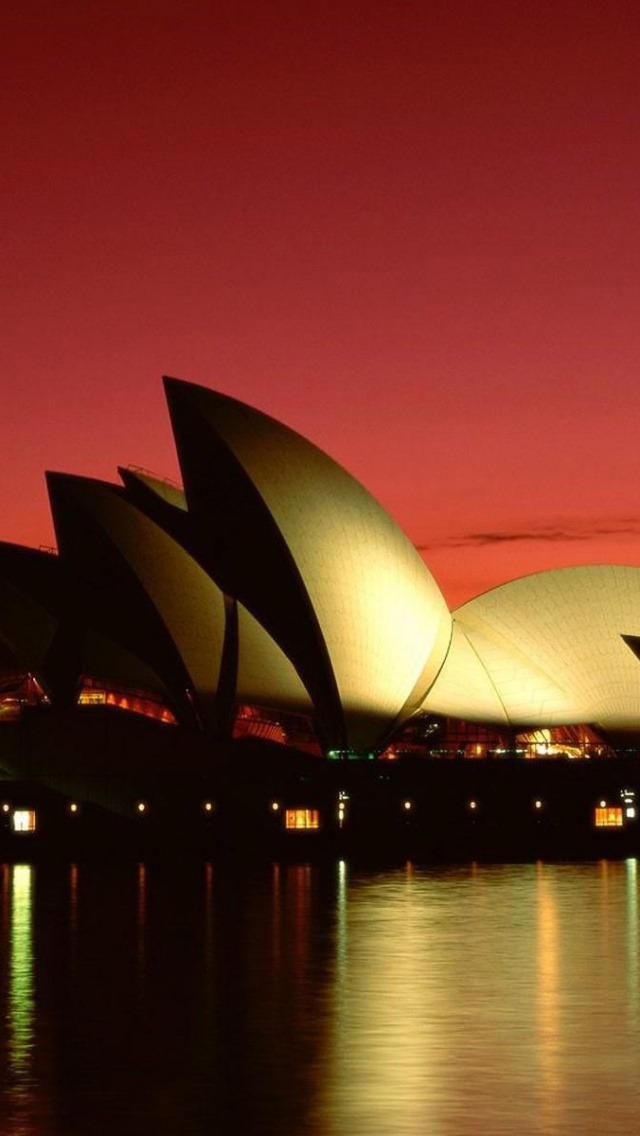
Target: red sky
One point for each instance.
(410, 230)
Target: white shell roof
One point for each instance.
(265, 675)
(552, 646)
(383, 619)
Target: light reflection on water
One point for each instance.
(19, 1014)
(319, 999)
(498, 999)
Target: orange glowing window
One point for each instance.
(608, 818)
(302, 818)
(92, 698)
(24, 820)
(133, 702)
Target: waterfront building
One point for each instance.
(272, 598)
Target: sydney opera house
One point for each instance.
(237, 638)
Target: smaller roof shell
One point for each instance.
(552, 645)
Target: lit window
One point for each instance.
(24, 820)
(608, 817)
(631, 811)
(135, 701)
(302, 818)
(92, 698)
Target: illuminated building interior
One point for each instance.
(17, 692)
(295, 730)
(452, 737)
(607, 816)
(24, 820)
(304, 819)
(96, 693)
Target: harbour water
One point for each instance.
(284, 998)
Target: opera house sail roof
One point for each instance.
(273, 588)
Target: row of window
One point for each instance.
(605, 816)
(303, 819)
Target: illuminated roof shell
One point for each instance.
(552, 645)
(315, 558)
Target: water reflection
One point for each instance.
(319, 999)
(20, 1085)
(633, 976)
(548, 1025)
(487, 999)
(141, 921)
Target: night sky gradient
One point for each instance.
(409, 230)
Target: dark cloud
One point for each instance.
(578, 531)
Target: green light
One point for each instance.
(351, 755)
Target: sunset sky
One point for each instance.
(408, 229)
